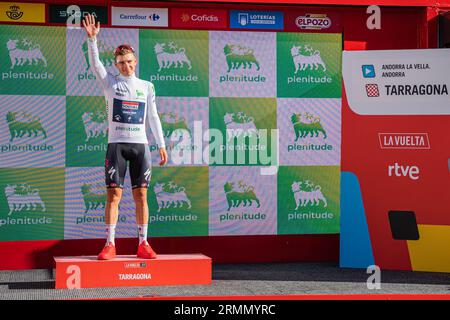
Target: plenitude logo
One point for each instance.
(33, 60)
(242, 64)
(23, 54)
(87, 131)
(310, 131)
(177, 61)
(306, 58)
(307, 125)
(178, 201)
(241, 201)
(307, 200)
(31, 203)
(245, 131)
(26, 133)
(239, 57)
(315, 68)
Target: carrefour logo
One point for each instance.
(313, 21)
(152, 17)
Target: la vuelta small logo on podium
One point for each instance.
(74, 278)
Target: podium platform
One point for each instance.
(129, 271)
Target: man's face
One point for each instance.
(126, 64)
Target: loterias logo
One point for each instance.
(313, 21)
(256, 20)
(198, 18)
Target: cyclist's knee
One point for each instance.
(114, 195)
(140, 195)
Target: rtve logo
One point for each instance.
(398, 170)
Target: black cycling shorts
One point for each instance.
(117, 155)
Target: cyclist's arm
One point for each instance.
(153, 118)
(94, 60)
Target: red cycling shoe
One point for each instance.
(108, 252)
(145, 251)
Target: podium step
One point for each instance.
(129, 271)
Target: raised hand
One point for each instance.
(89, 25)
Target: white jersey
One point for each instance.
(130, 103)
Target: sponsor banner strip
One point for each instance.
(22, 12)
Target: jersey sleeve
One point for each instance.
(153, 118)
(95, 63)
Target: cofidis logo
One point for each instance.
(273, 20)
(198, 18)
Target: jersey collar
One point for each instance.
(132, 77)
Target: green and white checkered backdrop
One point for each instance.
(53, 133)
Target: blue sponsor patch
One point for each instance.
(256, 20)
(128, 111)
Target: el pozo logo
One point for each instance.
(313, 21)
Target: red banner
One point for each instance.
(313, 20)
(198, 18)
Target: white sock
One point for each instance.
(142, 230)
(111, 233)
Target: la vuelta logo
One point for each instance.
(313, 21)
